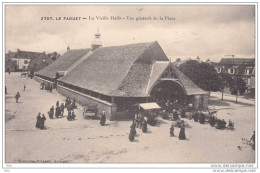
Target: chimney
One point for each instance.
(96, 43)
(68, 48)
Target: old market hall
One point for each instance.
(115, 78)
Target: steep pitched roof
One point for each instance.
(117, 70)
(157, 70)
(63, 63)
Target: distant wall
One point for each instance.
(81, 98)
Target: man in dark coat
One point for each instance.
(17, 96)
(38, 122)
(172, 131)
(103, 119)
(50, 88)
(43, 118)
(57, 112)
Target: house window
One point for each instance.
(25, 61)
(248, 71)
(231, 71)
(248, 81)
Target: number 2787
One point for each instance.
(46, 18)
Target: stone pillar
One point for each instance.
(205, 101)
(113, 112)
(196, 99)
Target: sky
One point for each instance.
(205, 31)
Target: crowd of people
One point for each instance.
(172, 112)
(59, 110)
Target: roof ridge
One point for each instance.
(76, 63)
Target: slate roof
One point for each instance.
(63, 63)
(119, 71)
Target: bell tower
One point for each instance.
(96, 43)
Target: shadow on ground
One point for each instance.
(226, 102)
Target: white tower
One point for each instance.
(96, 43)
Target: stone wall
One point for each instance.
(38, 79)
(81, 98)
(196, 101)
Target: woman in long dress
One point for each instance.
(182, 135)
(43, 118)
(103, 119)
(38, 122)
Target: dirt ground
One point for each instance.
(85, 141)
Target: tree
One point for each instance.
(202, 74)
(237, 86)
(225, 82)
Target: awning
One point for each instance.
(152, 105)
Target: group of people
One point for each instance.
(59, 110)
(173, 115)
(40, 121)
(47, 86)
(142, 126)
(168, 105)
(221, 124)
(182, 135)
(70, 105)
(199, 116)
